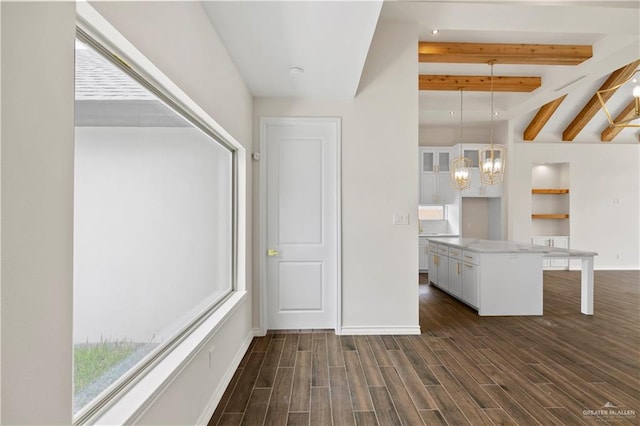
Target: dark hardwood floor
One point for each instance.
(562, 368)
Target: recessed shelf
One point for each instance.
(550, 191)
(550, 216)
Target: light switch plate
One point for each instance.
(401, 219)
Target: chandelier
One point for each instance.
(632, 113)
(492, 158)
(460, 166)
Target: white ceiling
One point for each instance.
(330, 41)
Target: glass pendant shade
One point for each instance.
(492, 164)
(460, 173)
(492, 158)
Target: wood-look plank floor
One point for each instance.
(562, 368)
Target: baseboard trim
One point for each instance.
(226, 379)
(367, 330)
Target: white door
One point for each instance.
(301, 160)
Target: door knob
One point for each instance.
(272, 252)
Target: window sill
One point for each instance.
(134, 401)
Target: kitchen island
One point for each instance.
(500, 277)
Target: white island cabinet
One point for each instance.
(500, 277)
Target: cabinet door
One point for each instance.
(443, 272)
(474, 188)
(443, 161)
(455, 277)
(470, 284)
(428, 161)
(472, 156)
(493, 190)
(446, 191)
(433, 267)
(559, 242)
(423, 254)
(428, 193)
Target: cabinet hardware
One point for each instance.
(272, 252)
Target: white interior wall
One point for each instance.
(0, 211)
(379, 169)
(475, 218)
(37, 210)
(37, 199)
(605, 192)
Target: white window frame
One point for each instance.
(128, 399)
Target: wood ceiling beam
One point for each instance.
(611, 132)
(542, 116)
(593, 105)
(503, 53)
(478, 83)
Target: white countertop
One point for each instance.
(498, 246)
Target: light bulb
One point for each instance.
(636, 91)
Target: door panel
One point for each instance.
(300, 287)
(301, 201)
(300, 191)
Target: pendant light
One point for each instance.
(630, 114)
(492, 158)
(460, 166)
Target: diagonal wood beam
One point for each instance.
(611, 132)
(503, 53)
(478, 83)
(542, 116)
(593, 105)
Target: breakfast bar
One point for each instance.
(500, 277)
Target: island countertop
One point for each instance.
(498, 246)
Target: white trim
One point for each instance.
(94, 24)
(374, 330)
(262, 214)
(134, 402)
(226, 379)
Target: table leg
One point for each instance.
(587, 286)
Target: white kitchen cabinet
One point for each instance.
(443, 267)
(560, 242)
(455, 273)
(433, 262)
(553, 241)
(470, 278)
(423, 254)
(436, 186)
(477, 189)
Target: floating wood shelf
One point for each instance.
(550, 191)
(550, 216)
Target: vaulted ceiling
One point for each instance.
(589, 41)
(550, 58)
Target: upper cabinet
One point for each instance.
(436, 186)
(477, 189)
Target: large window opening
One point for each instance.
(153, 227)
